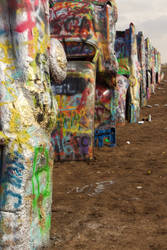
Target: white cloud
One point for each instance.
(148, 16)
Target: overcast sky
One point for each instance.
(149, 16)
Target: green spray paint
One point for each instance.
(41, 167)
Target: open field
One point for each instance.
(119, 200)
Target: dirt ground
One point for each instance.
(119, 200)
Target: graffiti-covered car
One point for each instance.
(126, 52)
(142, 61)
(85, 29)
(155, 66)
(106, 95)
(148, 67)
(158, 66)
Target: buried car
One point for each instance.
(126, 52)
(86, 30)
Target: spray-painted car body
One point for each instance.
(153, 66)
(126, 52)
(121, 96)
(122, 49)
(148, 66)
(72, 136)
(86, 22)
(157, 66)
(105, 107)
(83, 27)
(153, 70)
(142, 61)
(106, 98)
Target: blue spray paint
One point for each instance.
(13, 175)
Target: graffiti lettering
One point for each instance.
(71, 145)
(70, 20)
